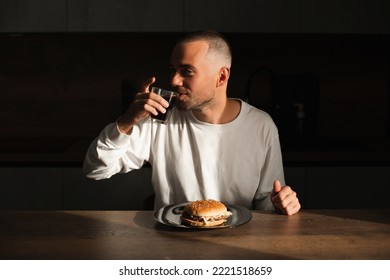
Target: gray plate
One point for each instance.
(170, 215)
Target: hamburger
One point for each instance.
(205, 213)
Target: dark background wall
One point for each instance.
(67, 68)
(69, 85)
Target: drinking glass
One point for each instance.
(169, 96)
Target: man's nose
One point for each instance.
(176, 80)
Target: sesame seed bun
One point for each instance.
(205, 213)
(205, 208)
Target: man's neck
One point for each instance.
(223, 112)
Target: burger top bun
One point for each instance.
(205, 208)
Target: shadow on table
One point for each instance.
(48, 235)
(372, 215)
(221, 244)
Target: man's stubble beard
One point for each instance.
(195, 104)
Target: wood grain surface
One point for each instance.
(316, 234)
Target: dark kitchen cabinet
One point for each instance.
(31, 188)
(347, 16)
(128, 191)
(340, 187)
(125, 16)
(33, 16)
(347, 187)
(66, 188)
(276, 16)
(245, 16)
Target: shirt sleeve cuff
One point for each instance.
(115, 136)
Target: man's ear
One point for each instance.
(224, 74)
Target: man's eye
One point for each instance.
(184, 72)
(187, 72)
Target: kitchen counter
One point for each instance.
(336, 152)
(43, 152)
(71, 152)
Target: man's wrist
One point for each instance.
(123, 127)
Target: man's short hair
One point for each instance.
(218, 44)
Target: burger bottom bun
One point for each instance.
(201, 223)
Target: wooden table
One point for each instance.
(320, 234)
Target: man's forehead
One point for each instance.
(190, 50)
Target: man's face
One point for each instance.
(194, 75)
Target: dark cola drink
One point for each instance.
(169, 96)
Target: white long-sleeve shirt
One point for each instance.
(235, 163)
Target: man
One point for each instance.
(213, 147)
